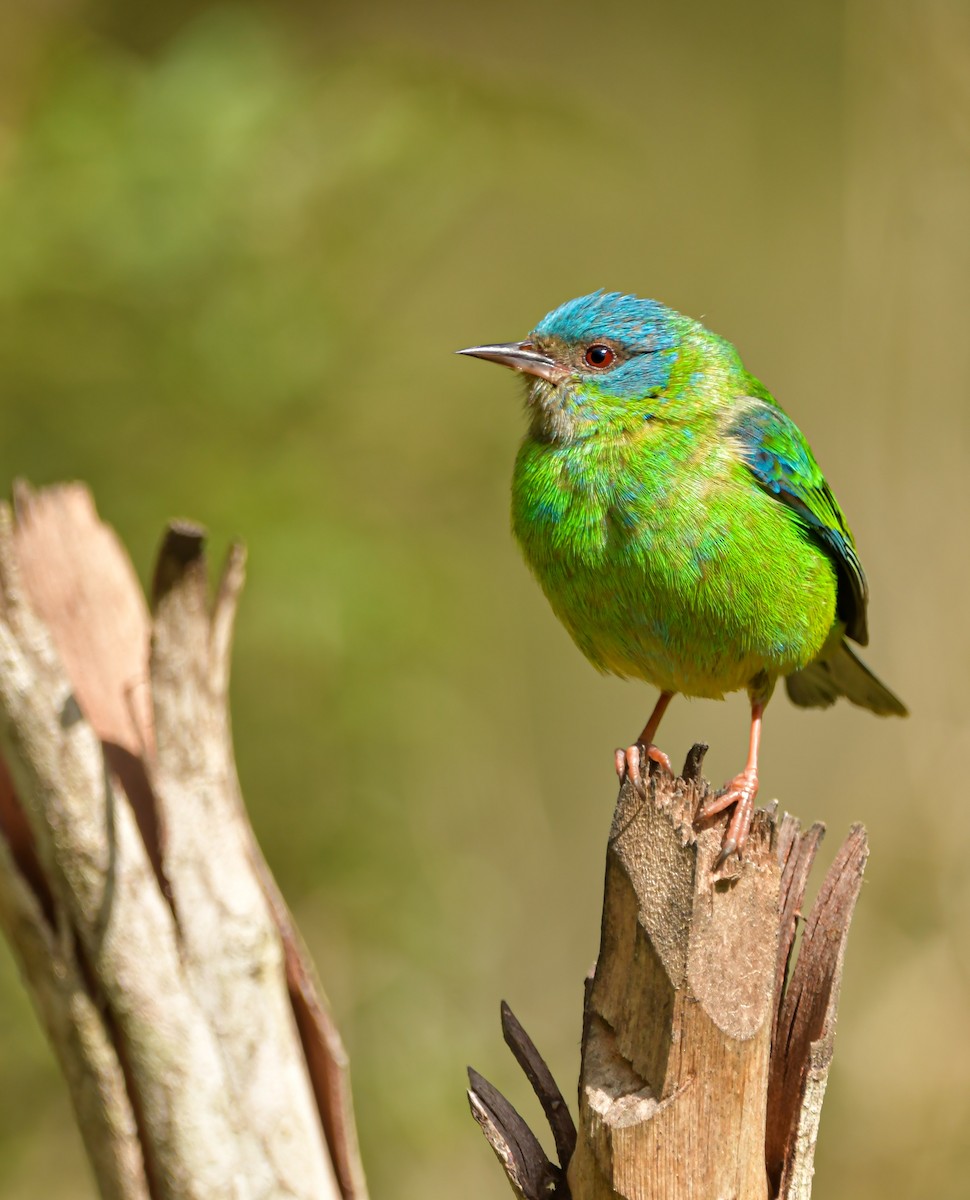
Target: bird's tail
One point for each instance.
(842, 674)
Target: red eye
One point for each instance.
(599, 357)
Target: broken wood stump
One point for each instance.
(706, 1039)
(200, 1055)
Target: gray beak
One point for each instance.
(520, 356)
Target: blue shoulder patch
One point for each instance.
(779, 457)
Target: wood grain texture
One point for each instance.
(679, 1016)
(708, 1027)
(161, 958)
(804, 1041)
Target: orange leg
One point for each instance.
(628, 761)
(741, 791)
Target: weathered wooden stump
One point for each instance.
(198, 1051)
(706, 1040)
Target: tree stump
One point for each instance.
(706, 1041)
(198, 1050)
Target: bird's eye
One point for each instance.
(599, 356)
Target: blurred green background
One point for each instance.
(237, 247)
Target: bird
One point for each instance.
(678, 523)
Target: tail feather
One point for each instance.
(842, 674)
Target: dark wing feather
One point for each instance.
(774, 448)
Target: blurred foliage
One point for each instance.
(237, 244)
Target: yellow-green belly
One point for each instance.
(701, 584)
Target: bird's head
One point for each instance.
(596, 365)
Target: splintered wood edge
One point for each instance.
(180, 556)
(180, 594)
(327, 1060)
(180, 600)
(808, 1019)
(501, 1146)
(796, 853)
(540, 1077)
(199, 801)
(224, 612)
(81, 585)
(181, 578)
(181, 581)
(529, 1172)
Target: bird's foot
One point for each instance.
(741, 792)
(629, 762)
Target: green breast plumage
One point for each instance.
(666, 564)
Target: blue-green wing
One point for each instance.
(774, 448)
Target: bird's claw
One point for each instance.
(629, 762)
(741, 792)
